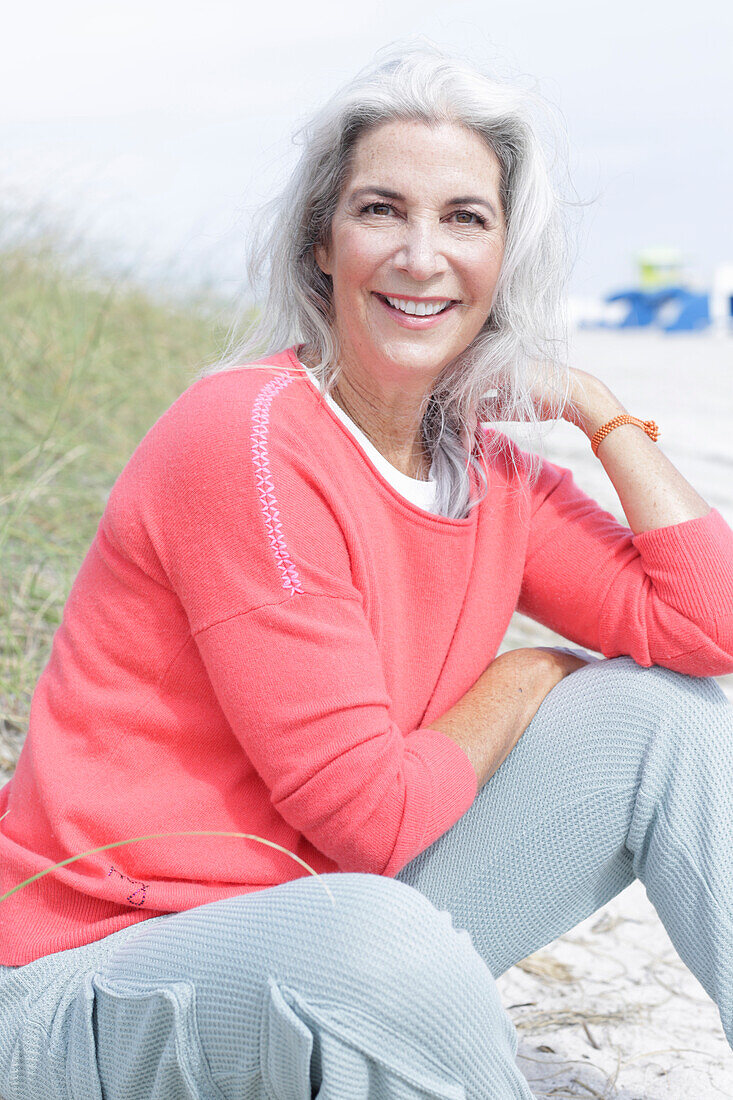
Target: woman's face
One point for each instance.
(419, 219)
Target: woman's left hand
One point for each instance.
(590, 403)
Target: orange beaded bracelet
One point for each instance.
(649, 427)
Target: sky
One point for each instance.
(153, 130)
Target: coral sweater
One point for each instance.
(263, 632)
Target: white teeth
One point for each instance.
(419, 309)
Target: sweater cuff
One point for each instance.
(691, 564)
(454, 781)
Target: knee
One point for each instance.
(670, 700)
(390, 929)
(413, 967)
(681, 723)
(390, 937)
(693, 707)
(638, 720)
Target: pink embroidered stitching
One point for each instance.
(132, 897)
(265, 486)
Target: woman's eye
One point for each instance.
(372, 205)
(470, 214)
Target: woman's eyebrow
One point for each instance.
(386, 194)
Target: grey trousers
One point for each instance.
(386, 989)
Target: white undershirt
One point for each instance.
(421, 493)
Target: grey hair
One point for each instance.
(492, 378)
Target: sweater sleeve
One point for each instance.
(242, 528)
(301, 684)
(664, 596)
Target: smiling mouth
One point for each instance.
(443, 305)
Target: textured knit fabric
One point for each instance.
(387, 991)
(261, 636)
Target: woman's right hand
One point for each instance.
(490, 718)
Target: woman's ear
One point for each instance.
(320, 252)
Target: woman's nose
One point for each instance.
(420, 254)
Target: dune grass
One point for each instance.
(87, 364)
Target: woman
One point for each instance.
(287, 627)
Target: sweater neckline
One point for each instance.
(407, 505)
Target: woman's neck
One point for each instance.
(413, 460)
(402, 446)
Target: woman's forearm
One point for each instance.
(490, 718)
(652, 491)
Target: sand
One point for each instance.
(610, 1010)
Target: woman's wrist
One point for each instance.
(592, 404)
(652, 491)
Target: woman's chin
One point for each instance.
(410, 355)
